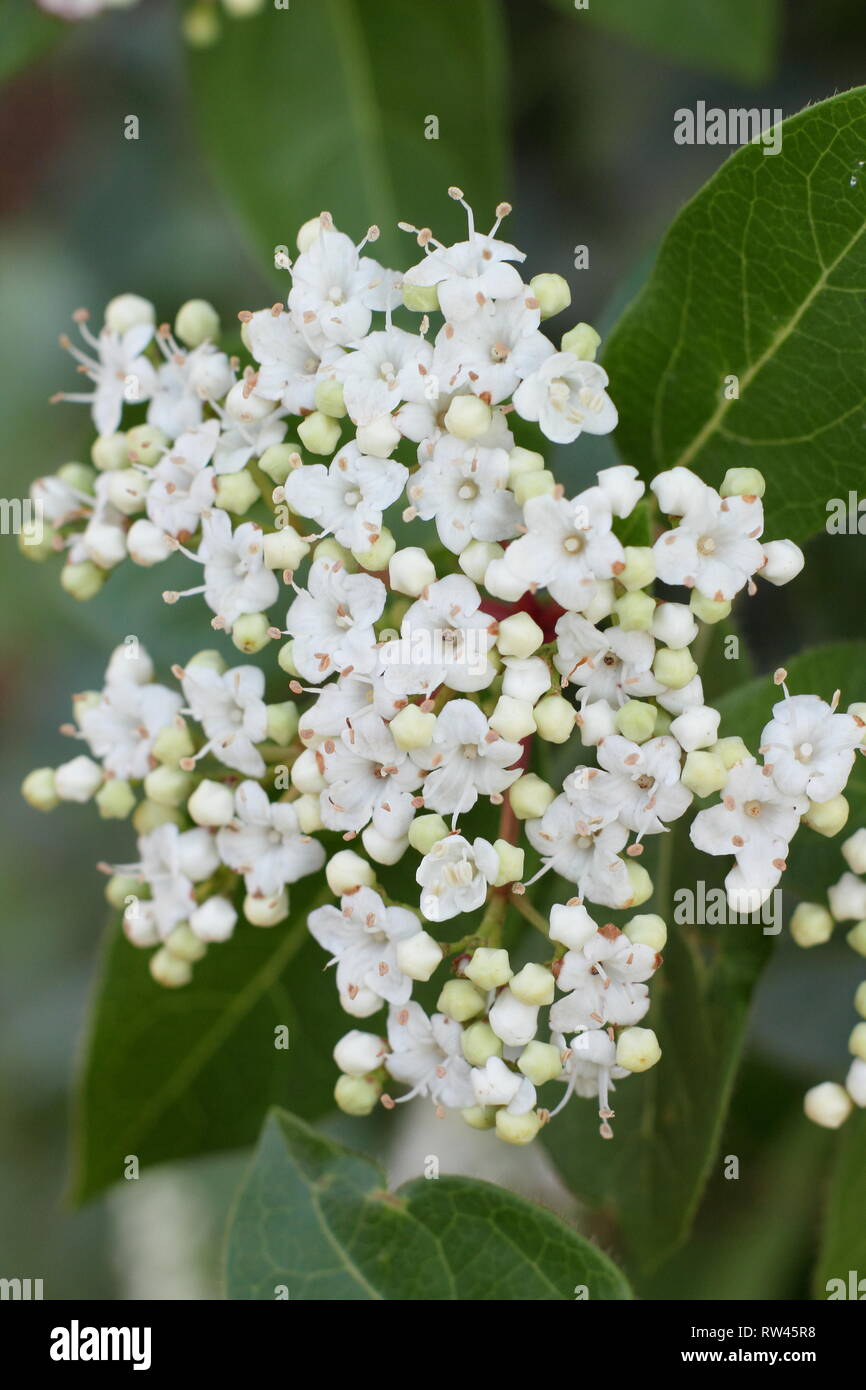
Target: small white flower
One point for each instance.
(590, 1069)
(184, 383)
(493, 349)
(716, 547)
(336, 290)
(182, 485)
(384, 370)
(465, 760)
(368, 777)
(288, 363)
(242, 440)
(469, 272)
(573, 840)
(117, 368)
(230, 708)
(362, 936)
(613, 666)
(445, 637)
(171, 861)
(644, 790)
(455, 876)
(264, 843)
(603, 983)
(754, 821)
(236, 578)
(496, 1084)
(349, 496)
(426, 1055)
(122, 728)
(464, 488)
(332, 621)
(568, 546)
(568, 398)
(810, 747)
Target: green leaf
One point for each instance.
(738, 37)
(343, 93)
(168, 1074)
(316, 1220)
(27, 33)
(844, 1241)
(760, 277)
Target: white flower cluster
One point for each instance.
(812, 924)
(425, 678)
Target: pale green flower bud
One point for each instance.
(183, 943)
(555, 718)
(425, 832)
(379, 439)
(635, 611)
(534, 485)
(856, 938)
(168, 786)
(519, 635)
(663, 723)
(647, 929)
(77, 475)
(854, 851)
(582, 341)
(595, 721)
(637, 1049)
(285, 659)
(502, 582)
(468, 417)
(511, 859)
(83, 580)
(640, 567)
(674, 668)
(150, 815)
(168, 970)
(517, 1129)
(641, 883)
(858, 711)
(827, 817)
(173, 742)
(828, 1105)
(489, 967)
(36, 540)
(460, 1000)
(329, 549)
(419, 956)
(115, 799)
(357, 1095)
(236, 492)
(279, 460)
(412, 728)
(383, 849)
(127, 311)
(533, 984)
(860, 999)
(346, 870)
(308, 812)
(523, 461)
(196, 322)
(479, 1042)
(709, 610)
(146, 444)
(540, 1061)
(703, 773)
(857, 1041)
(513, 719)
(730, 750)
(602, 601)
(211, 804)
(421, 299)
(319, 433)
(530, 797)
(38, 789)
(328, 397)
(283, 719)
(552, 293)
(306, 772)
(250, 632)
(266, 912)
(743, 482)
(379, 554)
(120, 887)
(635, 720)
(109, 451)
(479, 1116)
(209, 657)
(410, 571)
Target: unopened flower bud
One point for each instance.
(827, 817)
(582, 342)
(319, 433)
(168, 970)
(82, 581)
(285, 659)
(860, 999)
(38, 789)
(534, 484)
(78, 779)
(460, 1000)
(146, 444)
(635, 720)
(412, 728)
(251, 632)
(479, 1043)
(517, 1129)
(150, 815)
(512, 1019)
(641, 883)
(306, 774)
(784, 562)
(571, 925)
(526, 678)
(501, 582)
(523, 461)
(278, 461)
(475, 558)
(709, 610)
(211, 804)
(379, 438)
(637, 1049)
(328, 397)
(421, 299)
(854, 851)
(183, 943)
(213, 920)
(168, 786)
(120, 887)
(479, 1116)
(674, 668)
(127, 311)
(346, 870)
(848, 899)
(489, 967)
(743, 482)
(308, 811)
(540, 1062)
(855, 1082)
(828, 1105)
(109, 451)
(640, 567)
(513, 719)
(511, 859)
(209, 658)
(173, 743)
(266, 911)
(127, 490)
(357, 1095)
(856, 938)
(703, 773)
(533, 985)
(147, 544)
(358, 1053)
(236, 492)
(595, 721)
(858, 711)
(519, 635)
(552, 293)
(419, 956)
(411, 570)
(383, 849)
(647, 929)
(674, 625)
(730, 750)
(378, 556)
(196, 322)
(530, 797)
(696, 727)
(282, 722)
(857, 1041)
(425, 832)
(468, 417)
(635, 611)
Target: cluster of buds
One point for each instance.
(426, 679)
(812, 924)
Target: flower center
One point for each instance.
(574, 544)
(559, 393)
(351, 497)
(804, 752)
(645, 782)
(752, 808)
(706, 545)
(458, 875)
(470, 750)
(467, 492)
(583, 841)
(343, 617)
(499, 352)
(335, 294)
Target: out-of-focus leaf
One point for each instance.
(26, 33)
(333, 103)
(760, 278)
(844, 1243)
(172, 1073)
(314, 1220)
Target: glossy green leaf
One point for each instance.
(844, 1241)
(761, 277)
(346, 106)
(314, 1220)
(737, 37)
(170, 1074)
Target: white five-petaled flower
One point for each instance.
(288, 365)
(348, 496)
(264, 843)
(465, 760)
(470, 272)
(118, 369)
(494, 349)
(336, 290)
(171, 861)
(463, 487)
(810, 747)
(568, 545)
(236, 579)
(567, 397)
(182, 484)
(382, 371)
(230, 707)
(368, 777)
(426, 1055)
(332, 621)
(445, 637)
(603, 983)
(589, 1069)
(716, 547)
(578, 843)
(122, 728)
(755, 822)
(455, 876)
(643, 787)
(184, 382)
(612, 665)
(362, 936)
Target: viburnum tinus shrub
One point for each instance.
(421, 678)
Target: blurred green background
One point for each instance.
(87, 214)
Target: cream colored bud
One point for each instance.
(146, 444)
(168, 786)
(743, 482)
(535, 484)
(540, 1061)
(379, 439)
(501, 582)
(479, 1043)
(707, 609)
(519, 635)
(319, 433)
(703, 773)
(635, 611)
(640, 567)
(476, 557)
(641, 883)
(635, 720)
(197, 322)
(378, 556)
(530, 797)
(306, 774)
(419, 956)
(479, 1116)
(489, 967)
(533, 985)
(308, 811)
(513, 719)
(674, 668)
(411, 570)
(854, 851)
(116, 799)
(596, 720)
(38, 789)
(183, 943)
(517, 1129)
(582, 342)
(828, 1105)
(647, 929)
(511, 863)
(346, 870)
(637, 1049)
(827, 817)
(168, 970)
(383, 849)
(251, 632)
(460, 1000)
(264, 911)
(468, 417)
(523, 461)
(425, 832)
(328, 398)
(284, 549)
(357, 1095)
(278, 461)
(552, 293)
